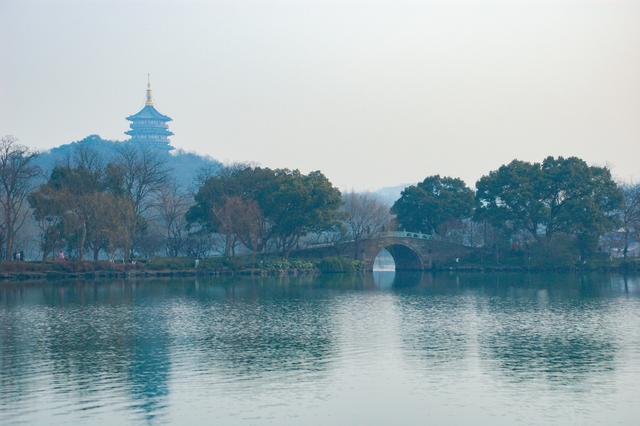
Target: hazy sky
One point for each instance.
(373, 93)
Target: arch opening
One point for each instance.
(384, 262)
(404, 259)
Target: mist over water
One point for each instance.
(387, 348)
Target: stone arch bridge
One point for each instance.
(410, 250)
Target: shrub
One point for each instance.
(336, 265)
(557, 252)
(170, 263)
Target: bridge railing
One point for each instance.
(405, 234)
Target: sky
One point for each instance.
(372, 93)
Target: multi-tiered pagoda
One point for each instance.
(148, 126)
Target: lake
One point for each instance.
(382, 349)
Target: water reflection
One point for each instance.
(433, 319)
(524, 327)
(150, 362)
(259, 328)
(148, 351)
(557, 328)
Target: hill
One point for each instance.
(184, 166)
(390, 194)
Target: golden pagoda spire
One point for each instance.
(149, 100)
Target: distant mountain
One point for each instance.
(390, 194)
(184, 166)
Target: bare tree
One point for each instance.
(201, 244)
(120, 214)
(143, 173)
(630, 214)
(17, 173)
(364, 214)
(172, 206)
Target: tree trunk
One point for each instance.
(83, 237)
(227, 245)
(9, 234)
(626, 244)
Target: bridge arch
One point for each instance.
(405, 257)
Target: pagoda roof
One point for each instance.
(148, 131)
(148, 113)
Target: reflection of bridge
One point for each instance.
(410, 250)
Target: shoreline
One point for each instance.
(55, 271)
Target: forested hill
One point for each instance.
(184, 166)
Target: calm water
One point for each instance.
(379, 350)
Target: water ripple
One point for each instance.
(500, 349)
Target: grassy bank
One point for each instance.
(250, 266)
(174, 267)
(531, 265)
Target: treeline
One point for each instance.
(130, 208)
(555, 211)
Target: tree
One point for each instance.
(83, 206)
(119, 214)
(581, 200)
(558, 196)
(301, 204)
(223, 216)
(108, 224)
(44, 202)
(17, 173)
(172, 206)
(433, 205)
(249, 224)
(512, 198)
(229, 204)
(63, 201)
(278, 205)
(141, 173)
(630, 213)
(364, 216)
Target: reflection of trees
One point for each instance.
(432, 318)
(150, 362)
(565, 359)
(555, 327)
(108, 334)
(257, 328)
(551, 325)
(18, 341)
(431, 337)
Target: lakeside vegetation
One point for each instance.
(549, 214)
(176, 266)
(128, 209)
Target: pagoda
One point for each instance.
(148, 126)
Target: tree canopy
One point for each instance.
(83, 206)
(433, 204)
(261, 206)
(558, 195)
